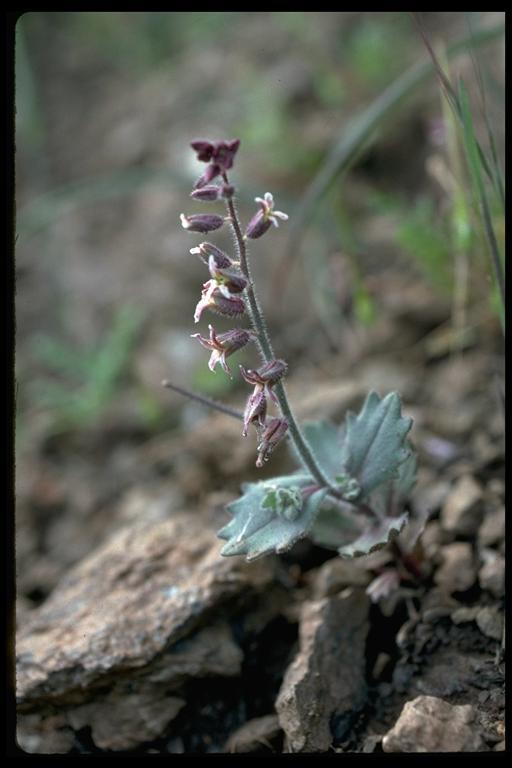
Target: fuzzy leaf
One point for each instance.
(325, 441)
(256, 529)
(375, 442)
(332, 529)
(375, 536)
(387, 499)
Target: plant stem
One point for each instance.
(267, 353)
(203, 400)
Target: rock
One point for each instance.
(491, 575)
(457, 572)
(123, 719)
(490, 622)
(256, 735)
(492, 530)
(143, 590)
(325, 683)
(429, 724)
(336, 574)
(464, 615)
(122, 632)
(462, 511)
(44, 735)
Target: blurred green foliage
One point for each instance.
(80, 384)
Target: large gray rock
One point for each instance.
(326, 680)
(429, 724)
(127, 627)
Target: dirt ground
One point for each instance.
(134, 634)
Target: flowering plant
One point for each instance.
(353, 482)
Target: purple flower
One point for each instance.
(223, 345)
(220, 155)
(266, 376)
(255, 410)
(213, 298)
(206, 250)
(201, 222)
(228, 280)
(266, 216)
(274, 431)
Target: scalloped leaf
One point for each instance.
(375, 536)
(375, 442)
(256, 530)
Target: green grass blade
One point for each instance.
(358, 132)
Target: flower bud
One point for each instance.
(210, 172)
(212, 298)
(205, 250)
(255, 410)
(201, 222)
(275, 430)
(212, 192)
(206, 194)
(223, 345)
(257, 226)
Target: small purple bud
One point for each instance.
(207, 194)
(275, 430)
(201, 222)
(255, 410)
(205, 250)
(257, 226)
(209, 174)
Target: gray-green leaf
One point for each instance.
(256, 530)
(375, 536)
(375, 442)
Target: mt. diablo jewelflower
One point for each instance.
(229, 278)
(223, 345)
(266, 216)
(202, 222)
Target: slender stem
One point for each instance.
(267, 353)
(203, 400)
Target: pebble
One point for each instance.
(492, 530)
(490, 622)
(422, 727)
(462, 511)
(457, 572)
(491, 575)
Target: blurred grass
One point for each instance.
(78, 385)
